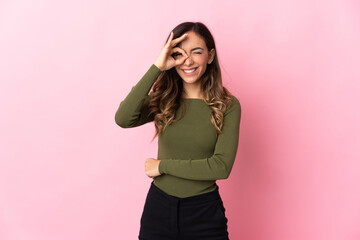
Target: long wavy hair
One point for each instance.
(165, 95)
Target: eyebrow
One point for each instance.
(197, 48)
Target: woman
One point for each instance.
(197, 123)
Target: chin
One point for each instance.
(190, 79)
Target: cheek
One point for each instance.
(178, 71)
(202, 60)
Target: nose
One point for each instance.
(188, 61)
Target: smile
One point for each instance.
(188, 71)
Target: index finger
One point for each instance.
(170, 38)
(177, 40)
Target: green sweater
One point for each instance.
(192, 156)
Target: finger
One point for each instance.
(181, 60)
(178, 49)
(170, 38)
(184, 55)
(177, 40)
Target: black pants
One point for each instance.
(167, 217)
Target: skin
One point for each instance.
(185, 58)
(197, 58)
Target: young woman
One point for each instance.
(197, 122)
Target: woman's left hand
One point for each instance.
(152, 167)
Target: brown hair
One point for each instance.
(166, 92)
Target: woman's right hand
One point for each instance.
(165, 61)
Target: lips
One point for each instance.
(189, 70)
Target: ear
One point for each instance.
(211, 55)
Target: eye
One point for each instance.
(176, 54)
(198, 52)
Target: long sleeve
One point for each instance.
(133, 110)
(219, 165)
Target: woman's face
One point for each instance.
(199, 57)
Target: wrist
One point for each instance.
(158, 66)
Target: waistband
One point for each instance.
(154, 191)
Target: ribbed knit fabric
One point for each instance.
(192, 156)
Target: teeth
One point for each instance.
(189, 71)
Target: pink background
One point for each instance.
(68, 172)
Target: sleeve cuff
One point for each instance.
(155, 69)
(162, 167)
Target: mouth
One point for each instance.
(189, 71)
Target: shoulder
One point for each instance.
(234, 105)
(235, 100)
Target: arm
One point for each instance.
(219, 165)
(133, 110)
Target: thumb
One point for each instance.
(181, 60)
